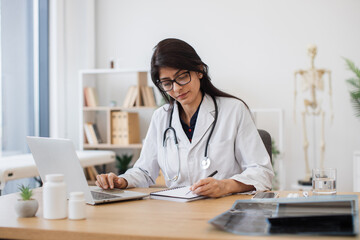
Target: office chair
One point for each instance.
(266, 138)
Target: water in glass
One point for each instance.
(324, 186)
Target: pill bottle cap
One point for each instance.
(54, 177)
(76, 196)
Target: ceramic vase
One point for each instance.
(26, 208)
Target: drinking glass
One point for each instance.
(324, 181)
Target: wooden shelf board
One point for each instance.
(104, 108)
(109, 70)
(112, 146)
(95, 108)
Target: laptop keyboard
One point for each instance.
(101, 196)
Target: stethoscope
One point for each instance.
(205, 162)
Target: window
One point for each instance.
(24, 74)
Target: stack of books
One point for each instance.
(124, 128)
(140, 96)
(92, 133)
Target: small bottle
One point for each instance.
(54, 197)
(112, 63)
(77, 206)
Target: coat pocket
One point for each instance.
(222, 155)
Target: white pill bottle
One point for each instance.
(77, 206)
(54, 197)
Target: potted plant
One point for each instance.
(26, 206)
(275, 153)
(354, 83)
(122, 162)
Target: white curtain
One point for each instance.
(72, 47)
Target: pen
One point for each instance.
(211, 175)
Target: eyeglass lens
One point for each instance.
(182, 80)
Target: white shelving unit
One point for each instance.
(111, 86)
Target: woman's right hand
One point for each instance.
(110, 181)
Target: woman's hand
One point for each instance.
(110, 181)
(212, 187)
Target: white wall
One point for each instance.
(72, 47)
(252, 49)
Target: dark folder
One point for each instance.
(317, 215)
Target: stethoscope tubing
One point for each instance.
(212, 129)
(171, 129)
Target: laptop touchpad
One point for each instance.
(114, 191)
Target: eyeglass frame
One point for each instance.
(173, 81)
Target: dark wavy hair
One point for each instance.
(177, 54)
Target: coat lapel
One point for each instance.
(204, 120)
(182, 138)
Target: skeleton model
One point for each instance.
(312, 86)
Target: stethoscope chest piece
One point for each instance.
(205, 163)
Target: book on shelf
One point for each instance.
(124, 128)
(144, 95)
(92, 133)
(139, 101)
(85, 98)
(97, 133)
(115, 128)
(148, 96)
(127, 98)
(87, 138)
(130, 98)
(131, 127)
(151, 96)
(90, 97)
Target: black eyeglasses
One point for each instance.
(168, 85)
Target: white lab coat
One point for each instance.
(235, 148)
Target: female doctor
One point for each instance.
(199, 131)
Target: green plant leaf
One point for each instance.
(355, 95)
(122, 162)
(354, 84)
(356, 106)
(275, 151)
(25, 192)
(352, 67)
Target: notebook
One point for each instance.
(179, 194)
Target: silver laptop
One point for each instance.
(59, 156)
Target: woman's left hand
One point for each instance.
(210, 187)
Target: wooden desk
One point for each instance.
(140, 219)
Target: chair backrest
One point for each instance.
(266, 138)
